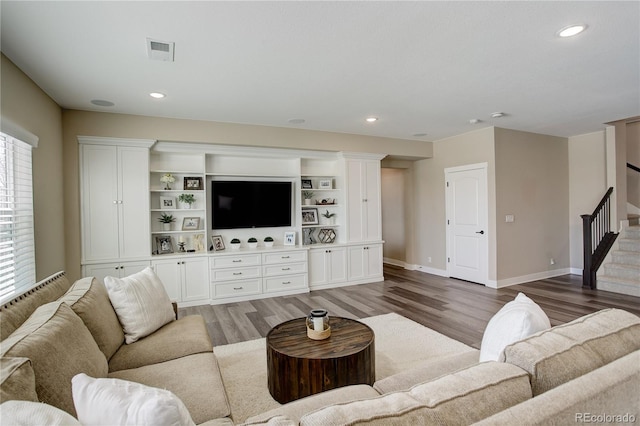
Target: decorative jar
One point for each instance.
(318, 327)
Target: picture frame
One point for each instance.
(290, 238)
(325, 184)
(310, 216)
(192, 183)
(164, 244)
(167, 203)
(306, 184)
(190, 223)
(217, 243)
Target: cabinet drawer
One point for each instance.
(284, 257)
(233, 261)
(240, 288)
(285, 269)
(235, 273)
(285, 283)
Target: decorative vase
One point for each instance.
(166, 227)
(167, 187)
(268, 243)
(307, 201)
(235, 246)
(252, 245)
(318, 327)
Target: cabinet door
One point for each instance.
(318, 267)
(133, 186)
(130, 268)
(102, 270)
(337, 264)
(357, 263)
(169, 271)
(372, 208)
(373, 254)
(355, 200)
(99, 201)
(195, 279)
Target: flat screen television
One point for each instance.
(250, 204)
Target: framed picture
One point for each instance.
(192, 183)
(190, 223)
(290, 238)
(309, 216)
(164, 244)
(217, 242)
(167, 203)
(325, 184)
(306, 184)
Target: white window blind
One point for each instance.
(17, 248)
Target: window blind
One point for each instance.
(17, 247)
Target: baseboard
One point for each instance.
(532, 277)
(395, 262)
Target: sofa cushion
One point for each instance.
(30, 413)
(462, 397)
(518, 319)
(179, 338)
(120, 402)
(59, 346)
(90, 301)
(17, 380)
(611, 390)
(141, 303)
(16, 311)
(195, 379)
(567, 351)
(428, 371)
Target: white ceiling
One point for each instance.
(421, 67)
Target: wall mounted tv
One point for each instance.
(250, 204)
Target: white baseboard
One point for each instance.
(395, 262)
(532, 277)
(413, 267)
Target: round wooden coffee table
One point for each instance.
(299, 366)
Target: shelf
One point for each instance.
(320, 226)
(199, 231)
(307, 206)
(178, 172)
(169, 191)
(177, 210)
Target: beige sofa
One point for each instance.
(584, 371)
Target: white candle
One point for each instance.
(318, 323)
(181, 239)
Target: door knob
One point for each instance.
(480, 232)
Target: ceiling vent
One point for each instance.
(160, 50)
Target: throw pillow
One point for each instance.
(17, 379)
(141, 303)
(120, 402)
(29, 413)
(518, 319)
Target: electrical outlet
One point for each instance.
(509, 218)
(552, 261)
(429, 259)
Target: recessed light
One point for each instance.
(157, 95)
(475, 121)
(572, 30)
(297, 120)
(372, 119)
(102, 102)
(497, 114)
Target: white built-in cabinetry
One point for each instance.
(122, 198)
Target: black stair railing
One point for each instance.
(597, 239)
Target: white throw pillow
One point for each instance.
(120, 402)
(29, 413)
(141, 303)
(518, 319)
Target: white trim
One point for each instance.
(430, 270)
(15, 131)
(362, 155)
(99, 140)
(531, 277)
(395, 262)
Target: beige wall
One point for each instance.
(87, 123)
(532, 183)
(24, 103)
(393, 214)
(429, 194)
(587, 185)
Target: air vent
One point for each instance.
(158, 50)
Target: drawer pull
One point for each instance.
(237, 261)
(286, 269)
(286, 282)
(285, 257)
(237, 273)
(238, 288)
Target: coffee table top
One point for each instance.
(348, 337)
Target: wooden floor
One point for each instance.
(458, 309)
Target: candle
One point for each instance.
(317, 323)
(181, 239)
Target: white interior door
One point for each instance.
(467, 220)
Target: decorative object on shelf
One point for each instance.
(164, 244)
(307, 234)
(235, 244)
(309, 216)
(198, 242)
(187, 200)
(167, 179)
(192, 183)
(318, 327)
(217, 243)
(167, 203)
(325, 184)
(308, 195)
(190, 223)
(290, 238)
(329, 218)
(166, 220)
(327, 235)
(268, 242)
(181, 244)
(252, 242)
(306, 184)
(326, 201)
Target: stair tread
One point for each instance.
(623, 265)
(618, 280)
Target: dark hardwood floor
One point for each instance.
(455, 308)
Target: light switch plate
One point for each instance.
(509, 218)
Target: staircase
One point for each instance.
(622, 273)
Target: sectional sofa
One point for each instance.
(584, 371)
